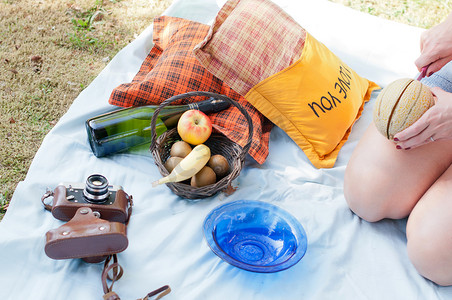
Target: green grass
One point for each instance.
(4, 203)
(83, 25)
(419, 13)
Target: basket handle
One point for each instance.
(247, 146)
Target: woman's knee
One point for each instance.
(429, 233)
(363, 194)
(430, 256)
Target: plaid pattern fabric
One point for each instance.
(249, 41)
(171, 69)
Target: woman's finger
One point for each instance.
(417, 128)
(414, 142)
(437, 65)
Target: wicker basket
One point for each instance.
(218, 144)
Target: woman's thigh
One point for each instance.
(429, 232)
(384, 182)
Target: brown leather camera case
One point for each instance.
(64, 210)
(84, 236)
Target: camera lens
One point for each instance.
(96, 188)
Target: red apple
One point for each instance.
(194, 127)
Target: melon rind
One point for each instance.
(399, 105)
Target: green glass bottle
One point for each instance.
(122, 129)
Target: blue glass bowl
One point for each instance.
(255, 236)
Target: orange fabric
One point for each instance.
(315, 101)
(171, 69)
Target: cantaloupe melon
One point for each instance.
(400, 104)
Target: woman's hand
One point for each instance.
(436, 47)
(435, 124)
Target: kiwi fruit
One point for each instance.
(204, 177)
(180, 149)
(172, 162)
(219, 165)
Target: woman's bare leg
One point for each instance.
(384, 182)
(429, 232)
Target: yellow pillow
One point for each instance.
(316, 100)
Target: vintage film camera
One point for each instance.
(97, 215)
(110, 202)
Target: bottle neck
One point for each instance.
(210, 105)
(170, 114)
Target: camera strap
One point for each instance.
(129, 210)
(117, 272)
(46, 195)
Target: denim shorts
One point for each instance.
(442, 78)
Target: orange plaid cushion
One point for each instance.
(171, 69)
